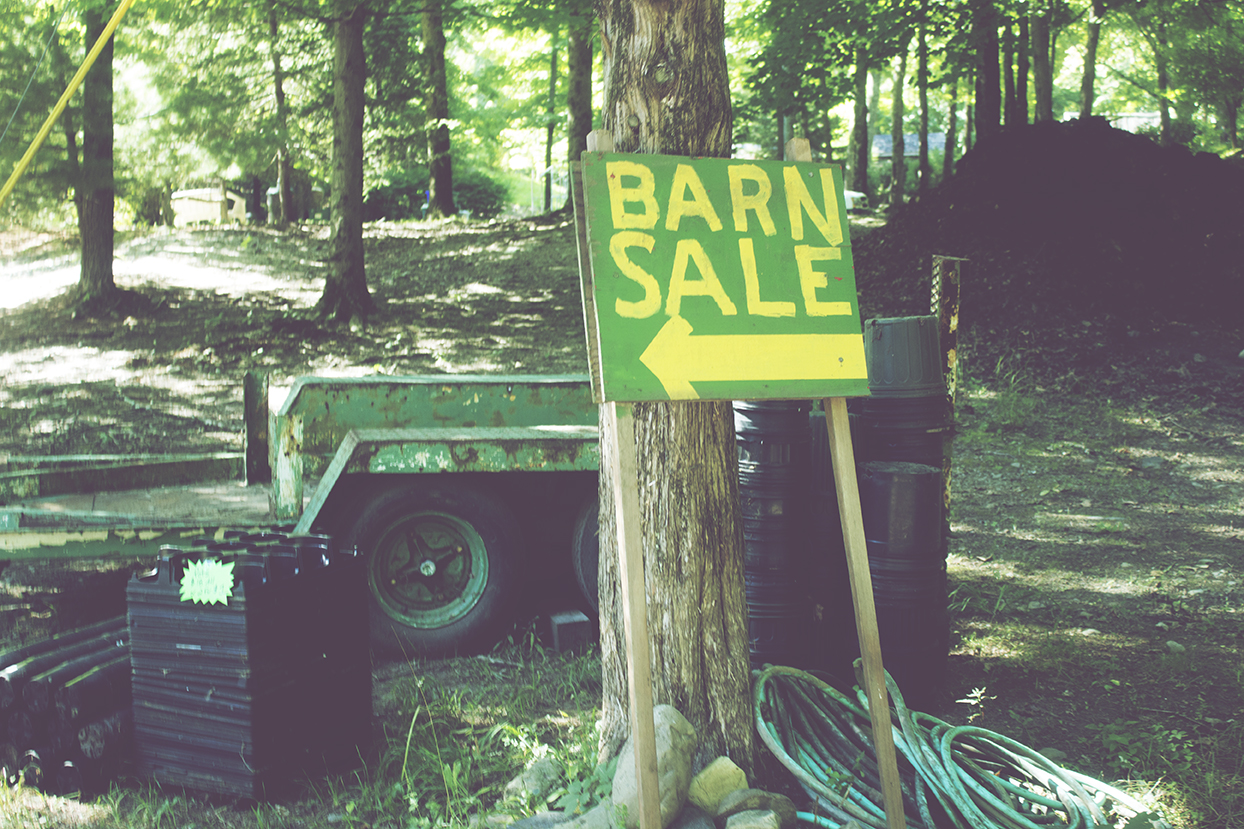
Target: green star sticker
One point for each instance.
(207, 582)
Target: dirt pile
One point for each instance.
(1081, 237)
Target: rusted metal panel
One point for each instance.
(548, 448)
(331, 407)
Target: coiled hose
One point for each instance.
(952, 776)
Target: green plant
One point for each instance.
(1148, 750)
(584, 793)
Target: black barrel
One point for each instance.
(902, 508)
(773, 445)
(907, 416)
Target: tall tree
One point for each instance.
(436, 102)
(1092, 36)
(922, 84)
(550, 134)
(898, 153)
(861, 151)
(345, 294)
(579, 76)
(97, 290)
(283, 184)
(988, 98)
(666, 91)
(1042, 63)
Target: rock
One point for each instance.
(754, 819)
(543, 820)
(1174, 647)
(599, 816)
(1054, 755)
(676, 744)
(692, 817)
(717, 780)
(490, 821)
(536, 781)
(1151, 462)
(1090, 632)
(757, 800)
(1036, 605)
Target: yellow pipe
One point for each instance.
(64, 99)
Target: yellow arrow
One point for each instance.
(679, 359)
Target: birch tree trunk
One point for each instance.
(861, 151)
(436, 102)
(898, 156)
(666, 92)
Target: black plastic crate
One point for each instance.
(240, 698)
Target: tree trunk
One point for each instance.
(969, 126)
(898, 157)
(436, 102)
(345, 294)
(97, 291)
(859, 130)
(988, 98)
(284, 192)
(1022, 66)
(1089, 80)
(922, 82)
(551, 125)
(1042, 71)
(952, 124)
(1009, 103)
(1160, 60)
(579, 80)
(666, 91)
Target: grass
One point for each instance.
(445, 753)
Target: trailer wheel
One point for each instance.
(585, 551)
(442, 560)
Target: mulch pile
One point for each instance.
(1091, 250)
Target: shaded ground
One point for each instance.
(1098, 485)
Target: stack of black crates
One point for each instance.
(243, 697)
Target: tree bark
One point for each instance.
(952, 125)
(551, 125)
(1022, 67)
(666, 91)
(988, 98)
(1042, 71)
(859, 130)
(898, 156)
(345, 294)
(1088, 81)
(97, 290)
(579, 80)
(922, 82)
(436, 102)
(1009, 103)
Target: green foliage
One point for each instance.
(585, 792)
(477, 192)
(401, 194)
(1146, 750)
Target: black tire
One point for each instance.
(585, 551)
(457, 595)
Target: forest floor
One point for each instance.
(1096, 572)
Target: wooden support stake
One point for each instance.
(255, 412)
(852, 517)
(287, 491)
(947, 278)
(618, 426)
(621, 431)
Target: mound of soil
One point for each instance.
(1089, 248)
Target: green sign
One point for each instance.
(720, 279)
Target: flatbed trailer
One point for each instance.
(467, 494)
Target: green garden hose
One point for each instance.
(952, 776)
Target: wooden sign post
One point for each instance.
(721, 279)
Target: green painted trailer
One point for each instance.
(469, 495)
